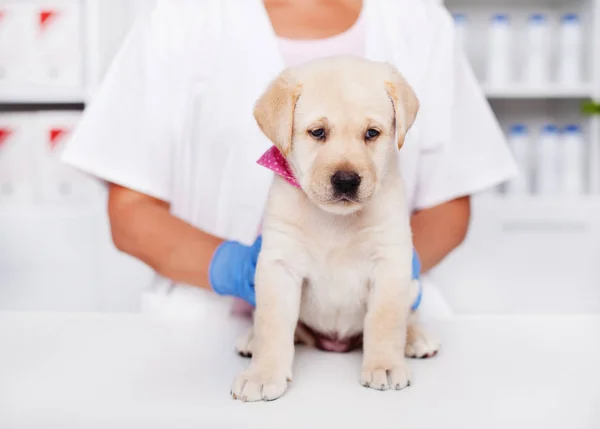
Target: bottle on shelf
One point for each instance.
(499, 64)
(520, 143)
(570, 51)
(549, 158)
(573, 155)
(537, 57)
(461, 22)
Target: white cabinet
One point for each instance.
(534, 252)
(57, 51)
(56, 251)
(42, 48)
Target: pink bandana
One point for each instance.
(274, 160)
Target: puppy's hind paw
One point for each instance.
(244, 344)
(420, 344)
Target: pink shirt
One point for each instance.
(350, 42)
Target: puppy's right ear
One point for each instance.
(274, 110)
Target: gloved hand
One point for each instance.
(232, 270)
(416, 266)
(416, 275)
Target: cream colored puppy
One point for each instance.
(337, 253)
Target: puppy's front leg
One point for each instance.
(275, 319)
(384, 365)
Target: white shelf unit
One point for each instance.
(517, 91)
(531, 253)
(59, 257)
(518, 102)
(42, 96)
(104, 25)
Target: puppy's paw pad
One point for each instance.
(252, 386)
(421, 344)
(396, 378)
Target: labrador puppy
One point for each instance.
(334, 271)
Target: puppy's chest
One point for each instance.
(339, 258)
(345, 265)
(337, 284)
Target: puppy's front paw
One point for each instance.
(259, 385)
(420, 344)
(384, 377)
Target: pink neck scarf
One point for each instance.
(274, 160)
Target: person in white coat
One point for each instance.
(172, 134)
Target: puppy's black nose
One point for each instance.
(345, 182)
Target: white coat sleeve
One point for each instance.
(126, 134)
(474, 156)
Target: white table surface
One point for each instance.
(112, 371)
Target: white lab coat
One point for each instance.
(173, 118)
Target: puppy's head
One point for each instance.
(338, 121)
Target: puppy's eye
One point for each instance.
(371, 134)
(319, 133)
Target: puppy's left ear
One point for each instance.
(274, 110)
(406, 103)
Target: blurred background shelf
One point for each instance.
(524, 252)
(42, 96)
(35, 212)
(543, 92)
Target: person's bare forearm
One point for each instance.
(439, 230)
(173, 248)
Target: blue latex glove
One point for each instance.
(232, 270)
(416, 275)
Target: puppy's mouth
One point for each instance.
(343, 205)
(345, 199)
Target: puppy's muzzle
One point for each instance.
(345, 184)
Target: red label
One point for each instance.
(56, 135)
(5, 133)
(46, 16)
